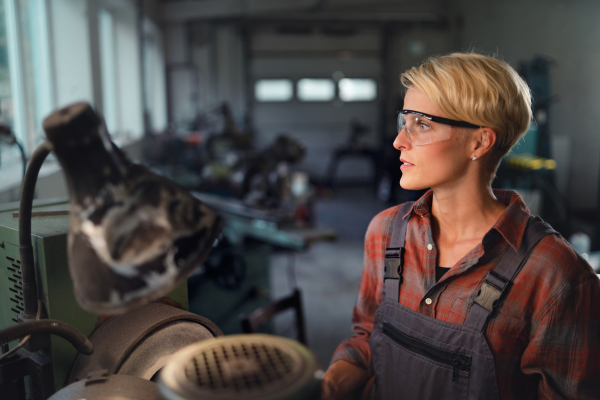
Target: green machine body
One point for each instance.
(49, 231)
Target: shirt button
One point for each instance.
(429, 246)
(428, 301)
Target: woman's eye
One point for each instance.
(423, 127)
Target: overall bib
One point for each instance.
(417, 357)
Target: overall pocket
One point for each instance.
(420, 370)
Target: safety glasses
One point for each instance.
(420, 130)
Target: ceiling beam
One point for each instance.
(215, 9)
(302, 10)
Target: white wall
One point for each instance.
(569, 32)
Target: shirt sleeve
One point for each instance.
(565, 344)
(356, 350)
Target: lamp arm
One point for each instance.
(25, 245)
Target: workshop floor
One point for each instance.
(328, 273)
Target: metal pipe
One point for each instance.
(80, 342)
(13, 351)
(25, 245)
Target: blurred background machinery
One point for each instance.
(233, 281)
(529, 168)
(103, 253)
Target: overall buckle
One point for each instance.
(394, 261)
(491, 290)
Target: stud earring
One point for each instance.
(474, 158)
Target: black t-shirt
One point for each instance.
(439, 272)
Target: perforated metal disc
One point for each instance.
(241, 367)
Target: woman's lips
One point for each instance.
(405, 165)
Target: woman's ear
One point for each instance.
(485, 141)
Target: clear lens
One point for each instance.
(421, 130)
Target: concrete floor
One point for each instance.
(328, 274)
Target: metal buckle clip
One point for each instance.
(394, 264)
(489, 293)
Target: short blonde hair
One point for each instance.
(482, 90)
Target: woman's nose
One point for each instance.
(401, 141)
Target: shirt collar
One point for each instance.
(511, 224)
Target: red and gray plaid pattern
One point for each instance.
(544, 334)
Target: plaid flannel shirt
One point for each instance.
(544, 334)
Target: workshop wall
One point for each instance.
(229, 64)
(567, 32)
(407, 49)
(212, 62)
(323, 126)
(205, 67)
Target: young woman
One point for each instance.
(463, 293)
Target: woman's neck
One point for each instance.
(465, 213)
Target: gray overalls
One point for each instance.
(417, 357)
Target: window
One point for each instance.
(7, 153)
(357, 89)
(316, 89)
(6, 101)
(119, 50)
(273, 90)
(108, 64)
(92, 53)
(26, 95)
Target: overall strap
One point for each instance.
(498, 279)
(394, 255)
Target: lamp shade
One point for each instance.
(134, 235)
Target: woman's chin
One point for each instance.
(409, 184)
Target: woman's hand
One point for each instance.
(342, 379)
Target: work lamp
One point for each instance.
(134, 235)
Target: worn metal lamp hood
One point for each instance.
(134, 235)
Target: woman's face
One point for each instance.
(439, 164)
